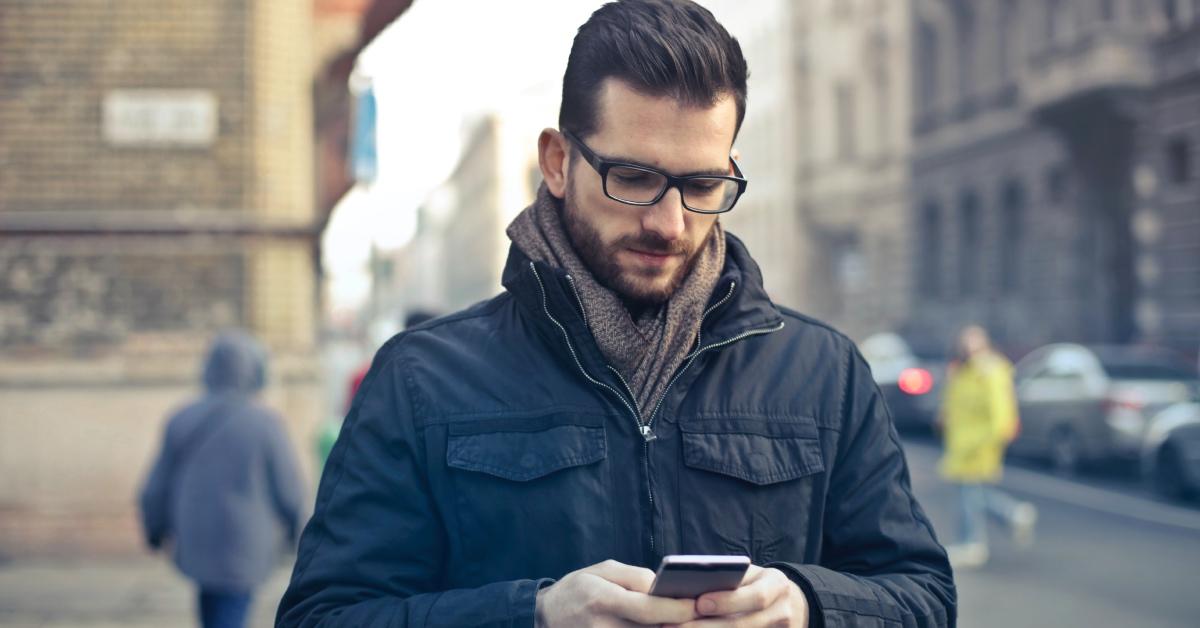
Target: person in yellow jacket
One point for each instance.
(978, 420)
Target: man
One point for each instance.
(225, 490)
(632, 394)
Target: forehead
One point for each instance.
(661, 131)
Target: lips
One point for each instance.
(651, 259)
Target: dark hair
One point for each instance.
(670, 48)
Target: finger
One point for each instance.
(776, 615)
(632, 578)
(753, 573)
(766, 588)
(649, 609)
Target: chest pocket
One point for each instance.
(524, 456)
(531, 494)
(750, 486)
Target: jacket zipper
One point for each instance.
(724, 343)
(644, 429)
(637, 416)
(646, 452)
(728, 295)
(631, 407)
(567, 339)
(717, 345)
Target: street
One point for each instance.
(1105, 556)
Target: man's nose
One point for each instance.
(665, 217)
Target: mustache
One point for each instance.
(654, 243)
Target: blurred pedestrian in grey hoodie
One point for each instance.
(225, 490)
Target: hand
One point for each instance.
(766, 598)
(608, 594)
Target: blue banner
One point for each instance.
(363, 157)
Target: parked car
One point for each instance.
(1171, 451)
(911, 379)
(1082, 404)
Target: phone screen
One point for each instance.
(693, 576)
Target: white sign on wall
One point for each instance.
(160, 117)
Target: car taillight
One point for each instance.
(1122, 403)
(915, 381)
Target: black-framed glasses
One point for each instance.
(635, 184)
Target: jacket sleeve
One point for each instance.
(372, 553)
(1002, 403)
(880, 563)
(155, 498)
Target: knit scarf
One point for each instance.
(646, 351)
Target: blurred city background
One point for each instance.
(315, 170)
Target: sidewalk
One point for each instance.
(136, 593)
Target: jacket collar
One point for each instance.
(541, 289)
(749, 308)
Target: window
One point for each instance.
(1056, 22)
(1179, 160)
(1149, 370)
(927, 68)
(879, 59)
(883, 110)
(968, 245)
(929, 238)
(964, 22)
(850, 267)
(1012, 208)
(1007, 40)
(1056, 185)
(1170, 13)
(846, 120)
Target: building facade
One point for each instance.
(1166, 219)
(156, 185)
(825, 145)
(1027, 118)
(767, 216)
(458, 254)
(921, 164)
(854, 177)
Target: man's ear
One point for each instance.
(736, 154)
(554, 157)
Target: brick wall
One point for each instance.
(58, 59)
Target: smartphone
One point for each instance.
(683, 576)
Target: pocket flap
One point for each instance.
(526, 455)
(755, 458)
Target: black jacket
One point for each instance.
(491, 450)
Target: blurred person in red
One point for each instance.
(978, 420)
(328, 433)
(225, 491)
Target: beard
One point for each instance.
(637, 289)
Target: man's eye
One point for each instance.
(632, 177)
(704, 186)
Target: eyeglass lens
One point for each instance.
(643, 186)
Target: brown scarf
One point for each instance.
(646, 351)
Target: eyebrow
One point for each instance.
(710, 172)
